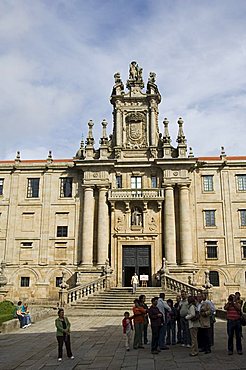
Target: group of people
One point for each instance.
(23, 314)
(188, 322)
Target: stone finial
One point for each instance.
(117, 78)
(181, 136)
(50, 158)
(80, 153)
(104, 138)
(166, 136)
(17, 158)
(90, 138)
(222, 152)
(191, 154)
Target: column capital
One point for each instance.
(185, 185)
(168, 186)
(88, 187)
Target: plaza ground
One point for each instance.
(97, 343)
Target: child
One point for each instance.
(127, 329)
(63, 334)
(171, 323)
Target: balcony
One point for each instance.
(132, 194)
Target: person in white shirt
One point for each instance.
(134, 282)
(163, 306)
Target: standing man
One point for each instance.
(155, 318)
(134, 282)
(163, 308)
(138, 318)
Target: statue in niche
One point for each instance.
(137, 217)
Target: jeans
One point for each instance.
(22, 320)
(179, 337)
(234, 326)
(171, 332)
(145, 331)
(134, 288)
(185, 332)
(162, 335)
(64, 339)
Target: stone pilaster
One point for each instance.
(88, 226)
(118, 126)
(152, 126)
(185, 226)
(103, 227)
(169, 226)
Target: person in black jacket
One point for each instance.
(156, 320)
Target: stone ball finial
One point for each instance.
(165, 121)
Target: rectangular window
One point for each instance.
(25, 281)
(153, 181)
(62, 231)
(243, 246)
(66, 187)
(210, 218)
(118, 182)
(242, 217)
(33, 188)
(211, 247)
(58, 281)
(1, 186)
(26, 244)
(241, 182)
(214, 278)
(208, 183)
(136, 182)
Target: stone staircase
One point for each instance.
(113, 302)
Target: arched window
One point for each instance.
(214, 278)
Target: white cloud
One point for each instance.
(57, 62)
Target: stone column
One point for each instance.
(88, 226)
(185, 226)
(169, 226)
(102, 227)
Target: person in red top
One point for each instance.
(233, 316)
(138, 318)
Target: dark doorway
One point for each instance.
(135, 259)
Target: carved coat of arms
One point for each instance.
(135, 128)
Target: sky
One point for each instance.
(58, 58)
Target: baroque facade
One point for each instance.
(133, 201)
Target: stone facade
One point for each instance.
(135, 200)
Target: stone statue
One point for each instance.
(135, 72)
(137, 217)
(63, 284)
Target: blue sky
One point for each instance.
(58, 58)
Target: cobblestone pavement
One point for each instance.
(97, 343)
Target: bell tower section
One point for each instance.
(135, 115)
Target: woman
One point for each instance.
(194, 323)
(63, 334)
(233, 315)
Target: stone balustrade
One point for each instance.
(116, 194)
(177, 285)
(86, 290)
